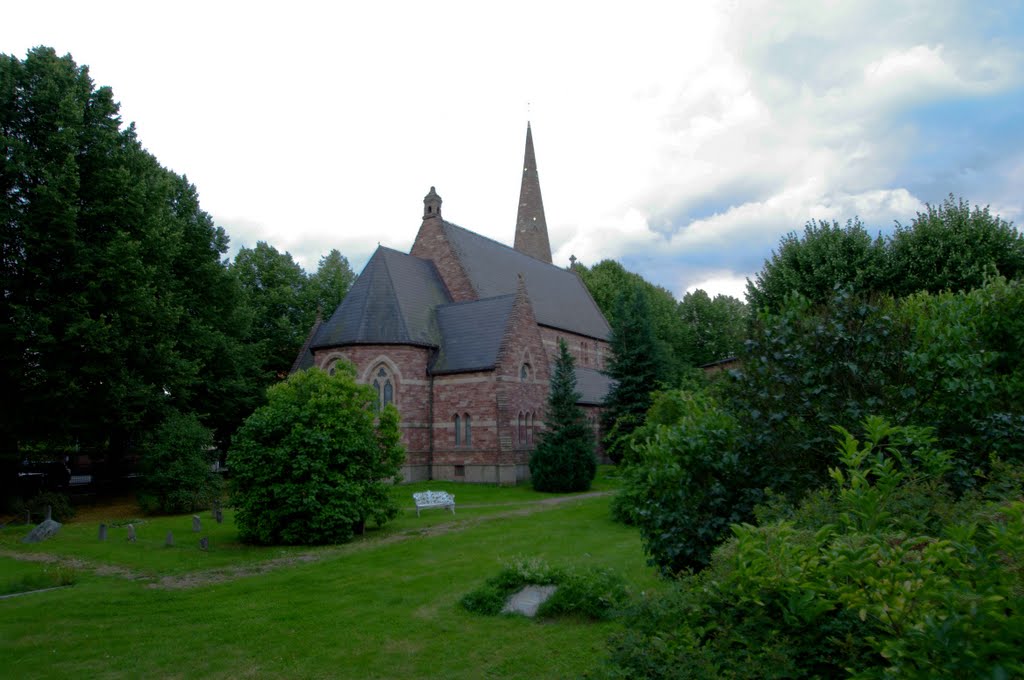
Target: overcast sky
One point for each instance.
(680, 138)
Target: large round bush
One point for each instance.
(315, 463)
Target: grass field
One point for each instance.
(384, 606)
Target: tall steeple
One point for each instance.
(531, 227)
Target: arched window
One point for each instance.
(333, 367)
(529, 428)
(468, 439)
(384, 386)
(524, 372)
(457, 433)
(522, 428)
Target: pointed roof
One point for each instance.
(392, 302)
(531, 227)
(472, 333)
(559, 297)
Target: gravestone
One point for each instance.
(196, 524)
(49, 512)
(219, 516)
(528, 600)
(131, 533)
(42, 532)
(103, 531)
(170, 540)
(204, 543)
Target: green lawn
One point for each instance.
(383, 606)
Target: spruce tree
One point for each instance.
(564, 459)
(636, 367)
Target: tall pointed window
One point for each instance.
(468, 439)
(384, 386)
(524, 372)
(456, 421)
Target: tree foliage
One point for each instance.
(607, 280)
(717, 327)
(952, 247)
(564, 459)
(116, 308)
(176, 467)
(882, 574)
(315, 463)
(948, 247)
(825, 257)
(637, 367)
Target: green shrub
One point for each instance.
(315, 464)
(176, 467)
(869, 593)
(687, 484)
(596, 594)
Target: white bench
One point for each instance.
(433, 499)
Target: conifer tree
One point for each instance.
(564, 459)
(635, 365)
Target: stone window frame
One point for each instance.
(392, 375)
(467, 432)
(457, 429)
(329, 362)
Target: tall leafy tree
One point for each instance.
(952, 247)
(717, 326)
(607, 279)
(276, 294)
(331, 282)
(824, 257)
(116, 306)
(637, 368)
(564, 459)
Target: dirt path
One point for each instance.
(207, 577)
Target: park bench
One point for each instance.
(433, 499)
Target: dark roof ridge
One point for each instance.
(391, 280)
(477, 301)
(495, 241)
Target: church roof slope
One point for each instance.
(471, 334)
(559, 297)
(592, 385)
(392, 302)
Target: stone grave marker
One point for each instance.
(49, 512)
(42, 532)
(196, 524)
(103, 531)
(204, 543)
(170, 539)
(219, 515)
(528, 600)
(131, 533)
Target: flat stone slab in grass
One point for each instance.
(527, 600)
(43, 531)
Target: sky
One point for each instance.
(683, 139)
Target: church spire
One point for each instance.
(531, 227)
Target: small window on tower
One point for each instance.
(524, 373)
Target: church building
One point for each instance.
(461, 335)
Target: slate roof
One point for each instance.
(559, 297)
(305, 358)
(392, 302)
(471, 334)
(592, 385)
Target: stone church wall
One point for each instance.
(408, 367)
(588, 352)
